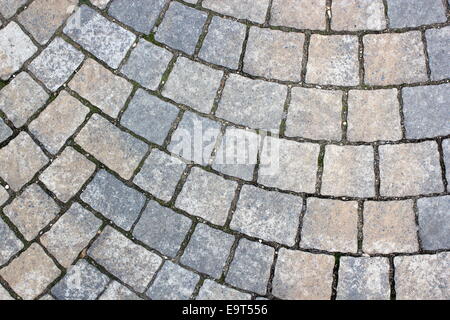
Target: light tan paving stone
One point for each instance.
(300, 14)
(20, 160)
(241, 9)
(30, 273)
(330, 225)
(303, 276)
(58, 121)
(118, 150)
(4, 195)
(4, 295)
(389, 227)
(354, 15)
(211, 290)
(31, 211)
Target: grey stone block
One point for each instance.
(434, 222)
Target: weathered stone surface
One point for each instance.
(330, 225)
(9, 243)
(100, 3)
(208, 250)
(333, 60)
(147, 64)
(116, 201)
(4, 295)
(394, 58)
(300, 14)
(173, 283)
(348, 171)
(207, 195)
(149, 117)
(82, 282)
(211, 290)
(9, 7)
(241, 9)
(315, 114)
(423, 277)
(43, 17)
(118, 150)
(438, 46)
(71, 234)
(410, 169)
(15, 48)
(5, 131)
(3, 195)
(446, 149)
(118, 254)
(223, 43)
(274, 54)
(434, 222)
(269, 215)
(141, 15)
(354, 15)
(373, 115)
(193, 84)
(250, 268)
(116, 291)
(20, 160)
(180, 17)
(110, 91)
(426, 111)
(303, 276)
(106, 40)
(162, 229)
(21, 98)
(59, 121)
(56, 63)
(30, 273)
(289, 165)
(389, 227)
(31, 211)
(413, 13)
(248, 102)
(363, 279)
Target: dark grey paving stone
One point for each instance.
(438, 46)
(413, 13)
(149, 117)
(173, 283)
(208, 250)
(162, 229)
(5, 131)
(426, 111)
(9, 243)
(141, 15)
(82, 282)
(434, 222)
(113, 199)
(181, 27)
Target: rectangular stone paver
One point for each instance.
(9, 7)
(173, 283)
(330, 225)
(30, 273)
(207, 195)
(354, 15)
(162, 229)
(31, 211)
(110, 91)
(423, 277)
(21, 98)
(211, 290)
(348, 171)
(303, 276)
(116, 201)
(56, 63)
(241, 9)
(394, 58)
(20, 160)
(193, 84)
(127, 261)
(289, 165)
(16, 48)
(90, 29)
(438, 46)
(333, 60)
(9, 243)
(208, 250)
(410, 169)
(413, 13)
(116, 291)
(59, 121)
(389, 227)
(300, 14)
(268, 215)
(315, 114)
(363, 279)
(71, 234)
(434, 222)
(118, 150)
(250, 268)
(248, 102)
(274, 54)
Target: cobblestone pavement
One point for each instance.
(97, 203)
